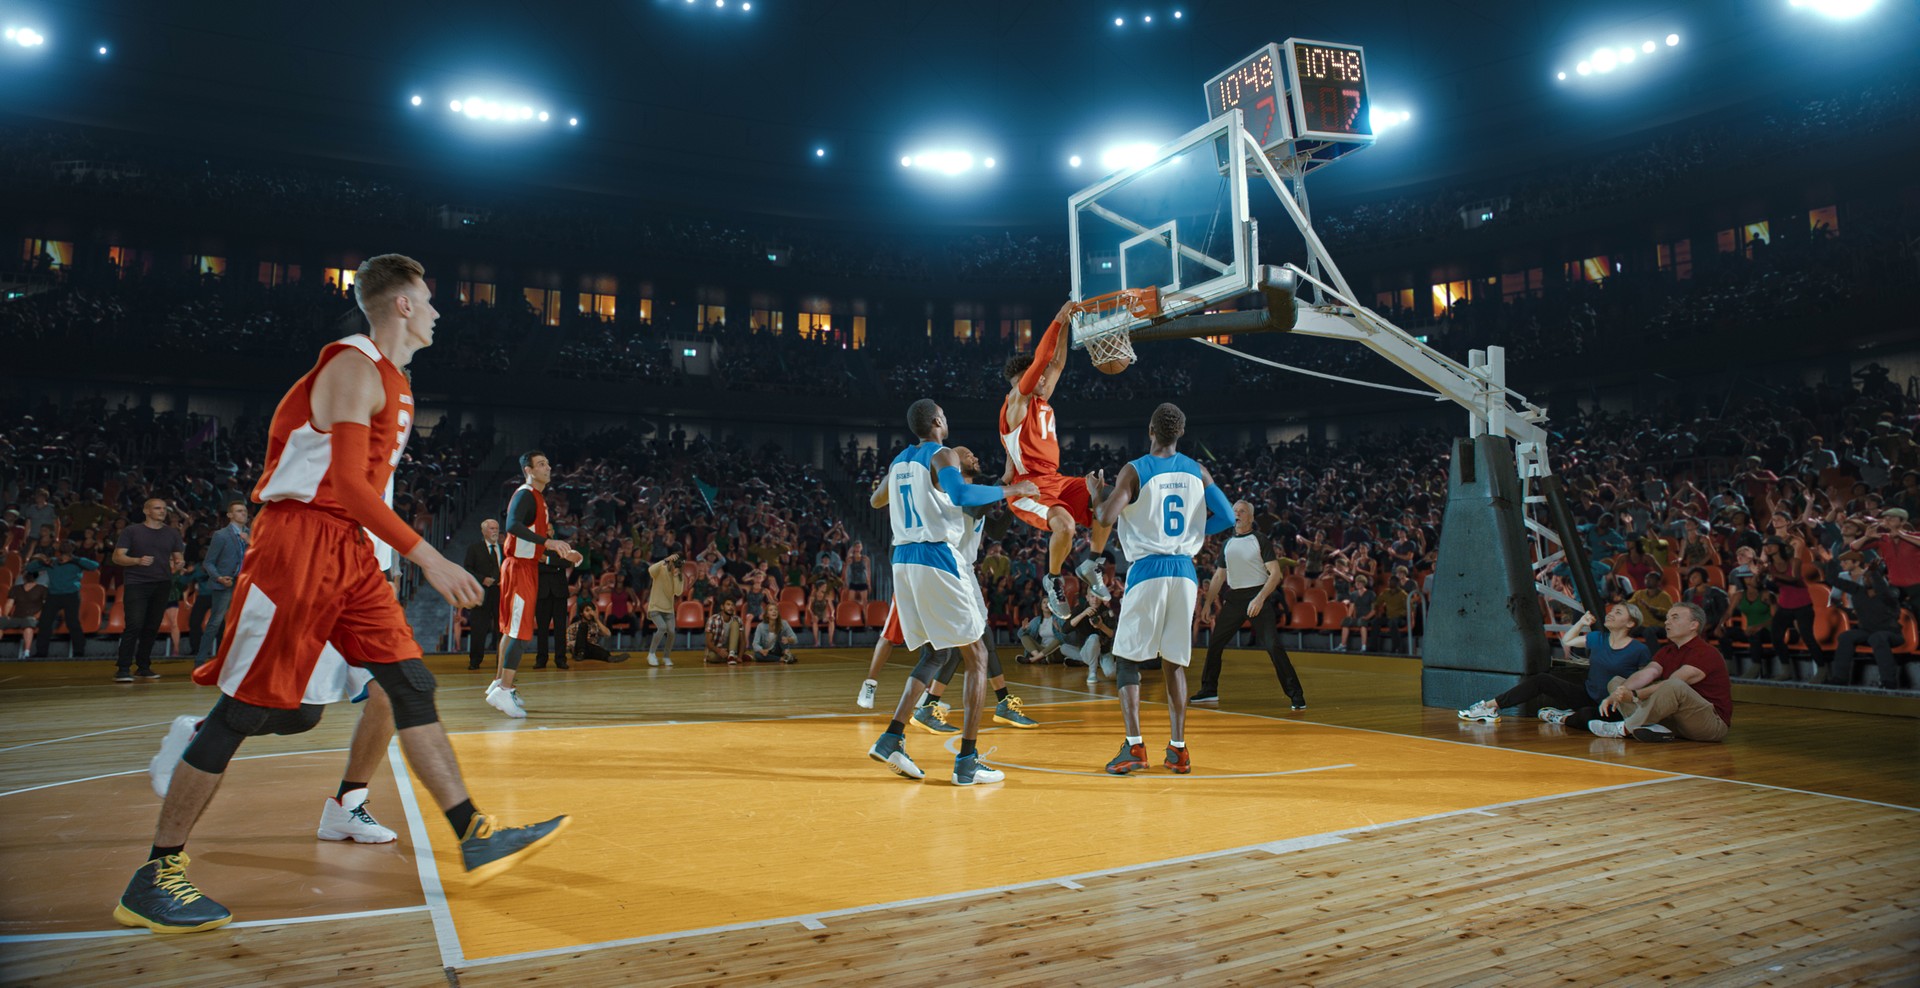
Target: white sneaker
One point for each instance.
(1484, 711)
(667, 660)
(867, 690)
(1606, 729)
(1555, 715)
(1056, 602)
(348, 819)
(1093, 673)
(1089, 574)
(179, 735)
(505, 701)
(652, 659)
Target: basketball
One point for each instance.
(1114, 366)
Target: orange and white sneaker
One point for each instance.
(1178, 760)
(1132, 758)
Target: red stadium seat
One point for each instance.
(877, 613)
(690, 616)
(1303, 617)
(89, 617)
(796, 596)
(852, 617)
(790, 611)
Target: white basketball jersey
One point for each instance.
(1169, 515)
(919, 512)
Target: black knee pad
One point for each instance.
(410, 686)
(1125, 672)
(993, 660)
(511, 656)
(232, 721)
(931, 667)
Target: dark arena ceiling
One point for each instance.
(804, 108)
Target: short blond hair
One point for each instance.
(383, 276)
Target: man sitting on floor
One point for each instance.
(1684, 692)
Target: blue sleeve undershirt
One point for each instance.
(964, 494)
(1219, 511)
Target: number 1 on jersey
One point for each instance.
(910, 517)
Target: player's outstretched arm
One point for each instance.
(345, 397)
(1054, 359)
(947, 477)
(1219, 509)
(1124, 488)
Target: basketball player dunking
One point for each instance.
(1166, 506)
(528, 540)
(1029, 432)
(309, 579)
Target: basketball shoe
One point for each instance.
(347, 819)
(1178, 760)
(867, 689)
(507, 701)
(891, 751)
(160, 768)
(161, 899)
(1089, 573)
(932, 718)
(1485, 711)
(1056, 601)
(1007, 711)
(1132, 758)
(487, 851)
(967, 771)
(1555, 715)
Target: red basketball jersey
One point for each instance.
(519, 548)
(300, 463)
(1034, 447)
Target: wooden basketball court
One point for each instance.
(729, 829)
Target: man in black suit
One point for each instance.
(483, 622)
(550, 611)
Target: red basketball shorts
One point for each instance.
(1067, 492)
(519, 585)
(892, 631)
(309, 579)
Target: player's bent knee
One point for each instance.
(1126, 672)
(410, 686)
(932, 663)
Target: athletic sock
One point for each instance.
(1131, 740)
(896, 728)
(1177, 744)
(347, 787)
(161, 852)
(926, 699)
(969, 746)
(1000, 694)
(462, 818)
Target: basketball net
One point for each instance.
(1105, 332)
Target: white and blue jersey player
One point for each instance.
(1165, 505)
(936, 597)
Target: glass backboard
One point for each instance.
(1177, 222)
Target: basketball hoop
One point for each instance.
(1104, 325)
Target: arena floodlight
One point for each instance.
(1126, 156)
(454, 105)
(1148, 19)
(1176, 15)
(573, 121)
(1073, 162)
(1839, 10)
(1605, 61)
(1119, 22)
(1563, 77)
(1627, 55)
(1584, 68)
(103, 49)
(26, 37)
(989, 162)
(745, 7)
(1647, 47)
(415, 100)
(543, 116)
(819, 152)
(1672, 40)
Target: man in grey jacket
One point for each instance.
(221, 568)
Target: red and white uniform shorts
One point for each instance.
(1068, 492)
(519, 586)
(309, 580)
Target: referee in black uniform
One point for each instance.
(1251, 572)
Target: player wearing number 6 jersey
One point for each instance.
(1031, 436)
(1166, 506)
(935, 595)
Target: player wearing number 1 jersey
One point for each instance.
(1030, 434)
(935, 595)
(1166, 506)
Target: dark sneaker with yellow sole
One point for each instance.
(161, 899)
(487, 851)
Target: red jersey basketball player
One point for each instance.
(310, 579)
(528, 541)
(1030, 434)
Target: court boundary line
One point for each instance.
(815, 921)
(76, 737)
(242, 925)
(444, 930)
(142, 771)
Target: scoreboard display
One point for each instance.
(1329, 91)
(1256, 87)
(1309, 93)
